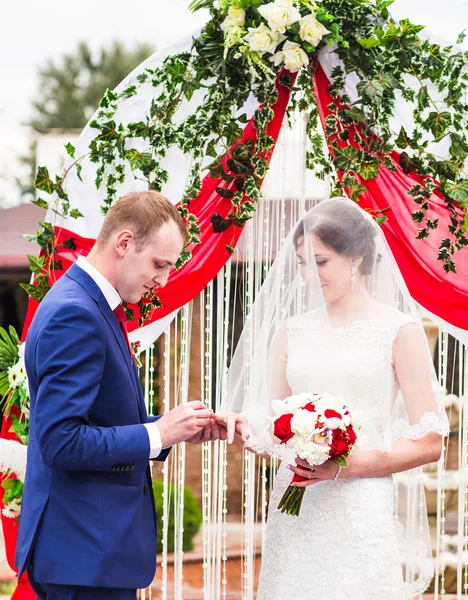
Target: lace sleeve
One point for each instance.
(418, 410)
(262, 445)
(430, 423)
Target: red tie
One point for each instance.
(121, 317)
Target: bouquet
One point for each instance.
(317, 427)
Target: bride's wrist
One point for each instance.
(361, 464)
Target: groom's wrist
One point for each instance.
(154, 439)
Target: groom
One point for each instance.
(87, 528)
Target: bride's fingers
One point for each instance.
(242, 429)
(302, 472)
(303, 463)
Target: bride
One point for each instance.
(334, 316)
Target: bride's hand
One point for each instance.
(325, 472)
(235, 425)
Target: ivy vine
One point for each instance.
(386, 56)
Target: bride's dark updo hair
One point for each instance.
(343, 228)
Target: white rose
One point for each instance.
(280, 14)
(235, 16)
(311, 30)
(293, 57)
(304, 423)
(314, 454)
(262, 39)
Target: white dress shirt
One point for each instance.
(113, 298)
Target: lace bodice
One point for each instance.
(353, 361)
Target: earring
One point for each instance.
(353, 277)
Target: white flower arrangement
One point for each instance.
(292, 56)
(280, 14)
(289, 31)
(12, 510)
(263, 40)
(14, 393)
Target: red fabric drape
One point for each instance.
(444, 295)
(10, 530)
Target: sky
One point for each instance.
(33, 32)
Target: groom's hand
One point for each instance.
(183, 423)
(210, 433)
(234, 425)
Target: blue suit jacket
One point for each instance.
(88, 515)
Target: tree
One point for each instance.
(71, 88)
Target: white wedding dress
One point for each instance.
(343, 545)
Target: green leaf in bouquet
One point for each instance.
(13, 489)
(14, 336)
(341, 462)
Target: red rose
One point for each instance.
(309, 406)
(283, 428)
(351, 434)
(339, 446)
(332, 414)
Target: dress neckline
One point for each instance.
(376, 317)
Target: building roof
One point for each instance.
(14, 222)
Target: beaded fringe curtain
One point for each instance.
(189, 362)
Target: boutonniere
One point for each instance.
(136, 353)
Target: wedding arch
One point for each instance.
(245, 125)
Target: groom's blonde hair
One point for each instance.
(143, 213)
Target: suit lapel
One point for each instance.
(88, 283)
(110, 318)
(141, 399)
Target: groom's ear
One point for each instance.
(123, 239)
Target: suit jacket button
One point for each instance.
(132, 468)
(113, 467)
(127, 468)
(146, 489)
